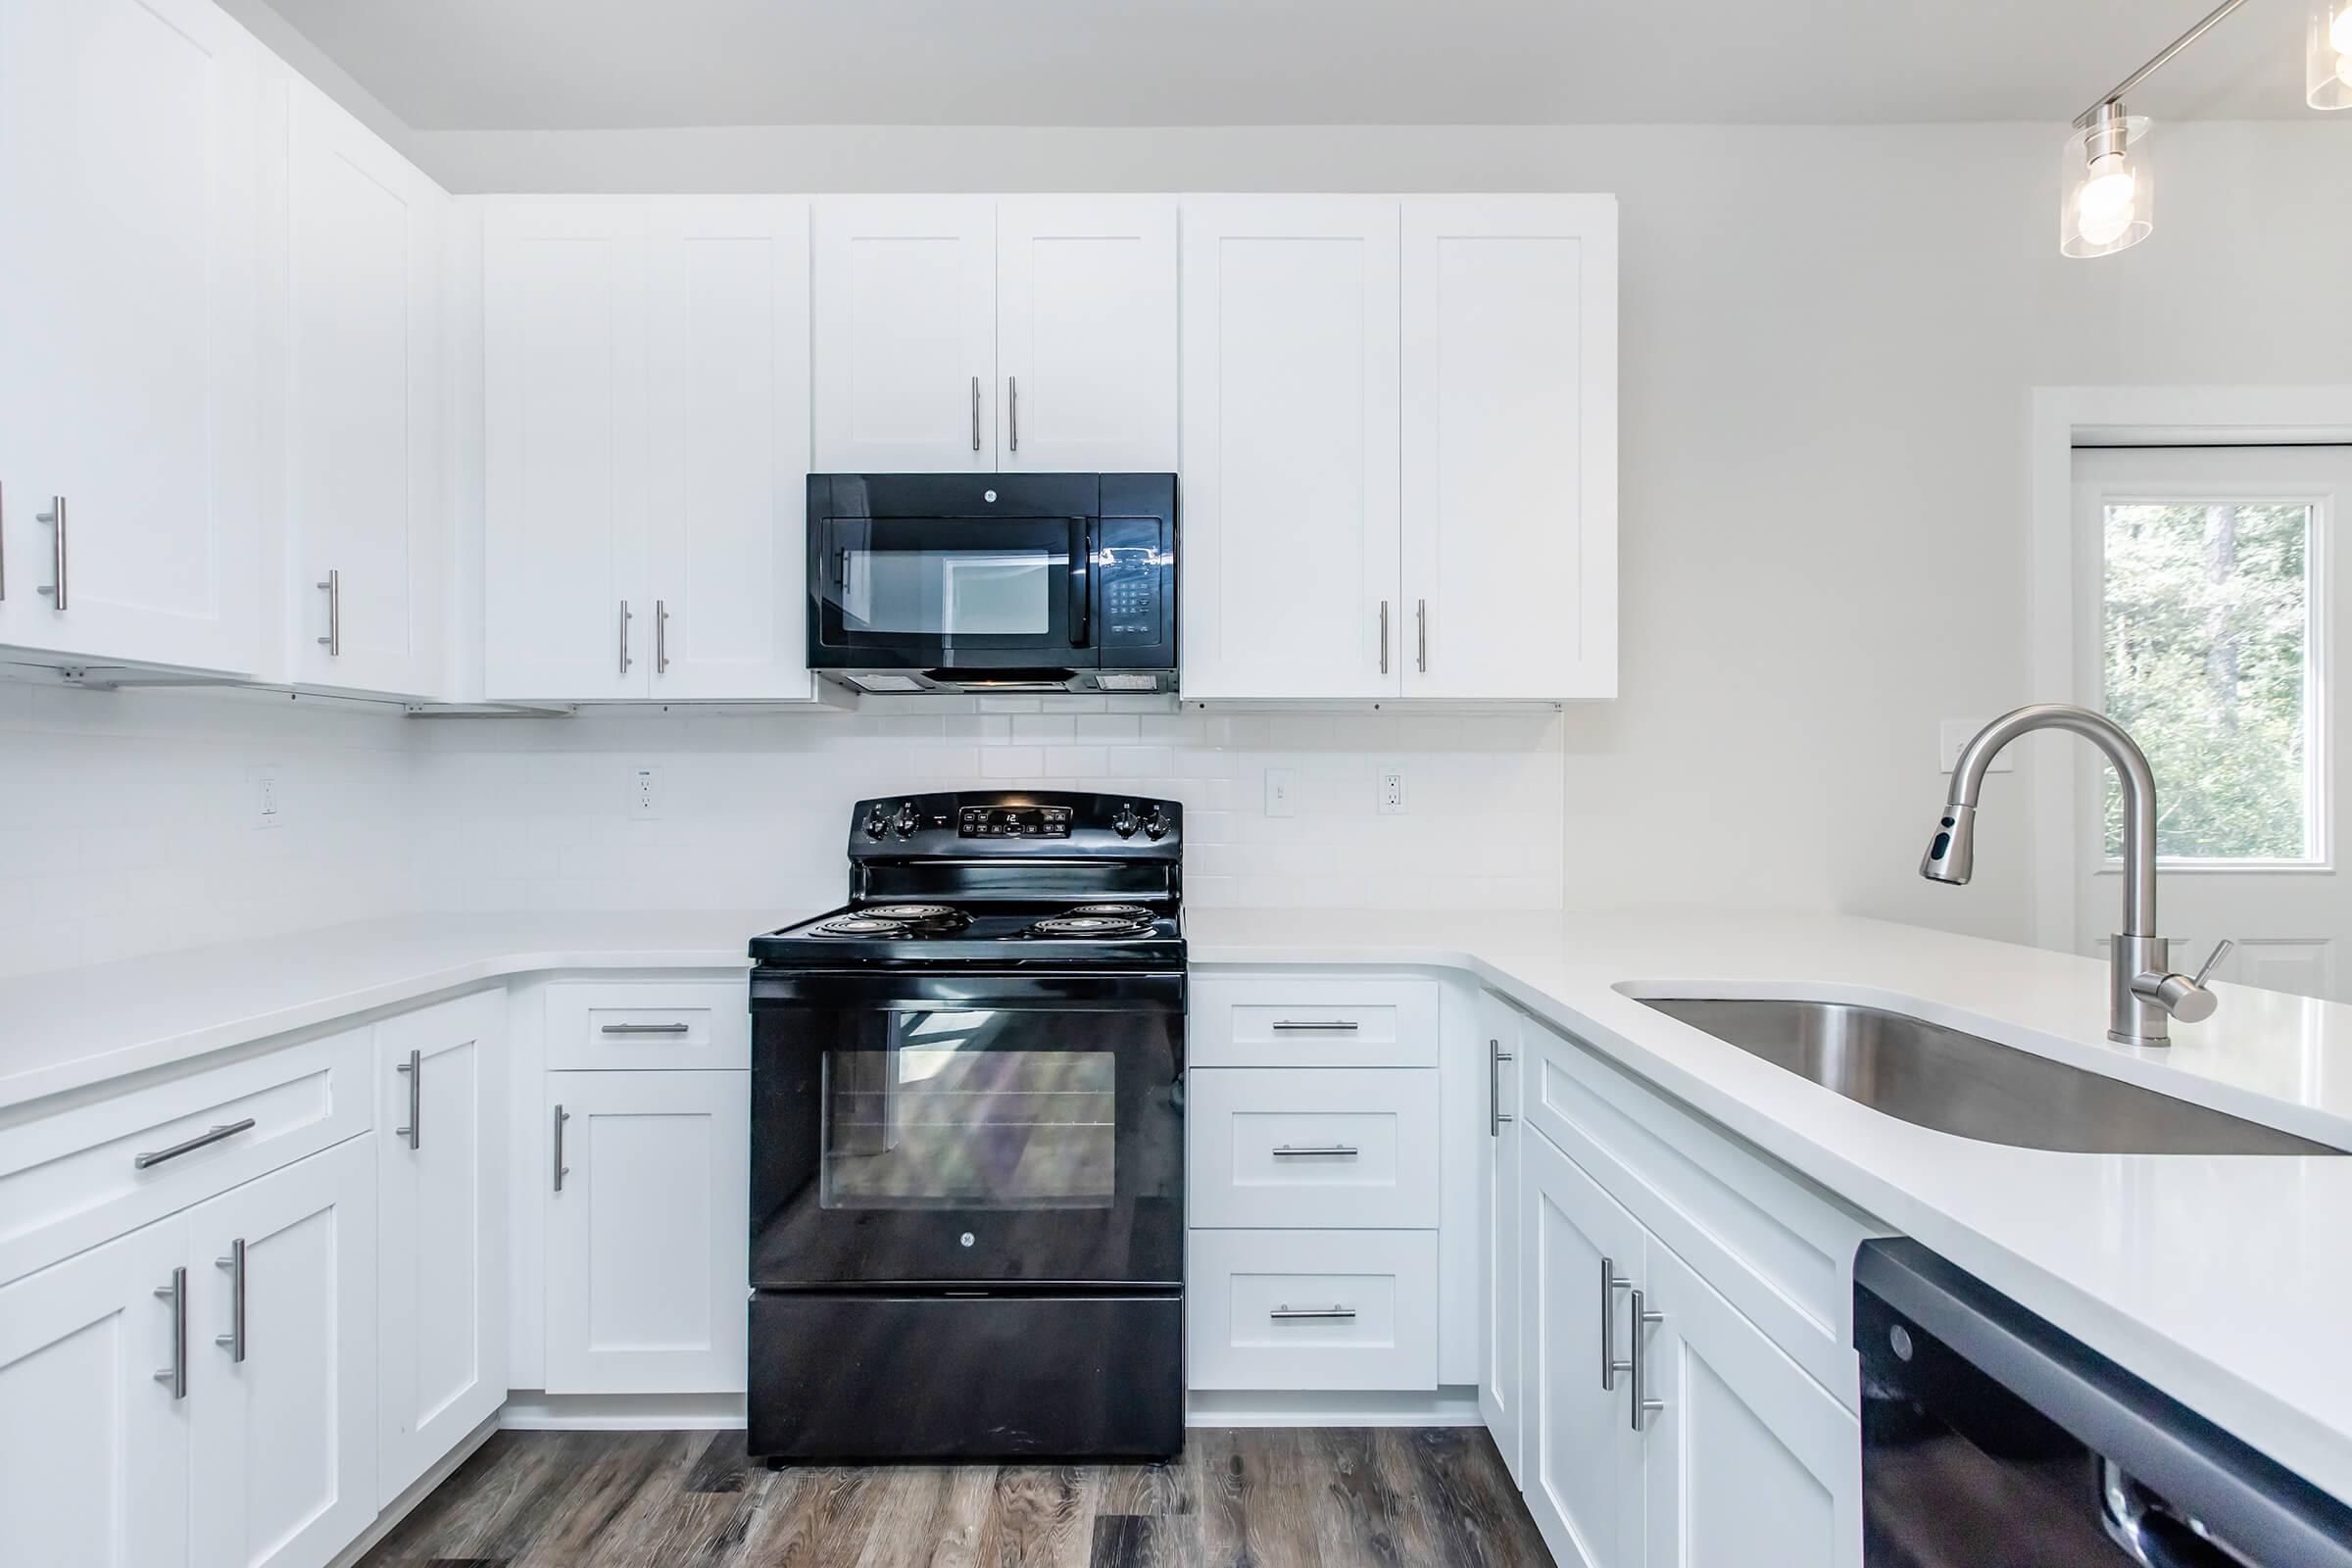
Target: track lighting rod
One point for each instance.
(2165, 58)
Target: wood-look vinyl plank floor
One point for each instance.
(1256, 1498)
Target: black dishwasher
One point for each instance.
(1992, 1440)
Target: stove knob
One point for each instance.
(906, 819)
(1123, 824)
(876, 824)
(1157, 825)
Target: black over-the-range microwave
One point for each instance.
(981, 582)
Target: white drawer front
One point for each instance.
(1313, 1148)
(1313, 1021)
(74, 1178)
(1312, 1310)
(649, 1023)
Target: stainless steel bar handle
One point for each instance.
(624, 636)
(647, 1028)
(661, 636)
(332, 642)
(1421, 632)
(561, 1170)
(1495, 1115)
(175, 1376)
(1640, 1404)
(1611, 1282)
(414, 1069)
(1304, 1150)
(1012, 409)
(156, 1157)
(975, 414)
(1383, 636)
(1317, 1023)
(55, 518)
(233, 1341)
(1286, 1313)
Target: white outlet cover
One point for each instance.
(266, 799)
(1281, 793)
(1953, 736)
(1387, 789)
(645, 794)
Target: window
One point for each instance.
(2208, 662)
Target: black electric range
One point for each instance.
(967, 1140)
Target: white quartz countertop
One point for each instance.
(2224, 1280)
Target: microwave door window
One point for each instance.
(948, 593)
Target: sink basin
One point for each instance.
(1960, 1083)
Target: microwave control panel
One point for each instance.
(1133, 563)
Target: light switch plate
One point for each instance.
(1953, 737)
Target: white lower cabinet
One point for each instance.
(1498, 1209)
(647, 1222)
(94, 1451)
(440, 1258)
(281, 1346)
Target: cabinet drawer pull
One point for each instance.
(1012, 409)
(233, 1341)
(414, 1069)
(1317, 1023)
(175, 1376)
(1383, 636)
(1610, 1285)
(1286, 1313)
(1640, 1404)
(561, 1170)
(55, 593)
(647, 1028)
(332, 587)
(626, 617)
(1495, 1115)
(975, 414)
(661, 636)
(156, 1157)
(1305, 1150)
(1421, 632)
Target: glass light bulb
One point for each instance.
(2107, 191)
(2339, 31)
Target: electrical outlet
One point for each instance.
(1388, 797)
(268, 808)
(645, 794)
(1279, 800)
(1952, 737)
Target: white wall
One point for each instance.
(130, 820)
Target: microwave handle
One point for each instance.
(1082, 553)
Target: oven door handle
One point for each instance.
(1082, 555)
(971, 991)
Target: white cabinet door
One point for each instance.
(283, 1346)
(905, 334)
(563, 321)
(1290, 369)
(1511, 441)
(441, 1329)
(93, 1450)
(1582, 1472)
(647, 1264)
(1086, 333)
(1498, 1379)
(364, 573)
(1751, 1463)
(128, 248)
(728, 447)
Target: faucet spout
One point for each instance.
(2144, 993)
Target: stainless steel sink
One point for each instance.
(1964, 1083)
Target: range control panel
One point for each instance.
(1013, 822)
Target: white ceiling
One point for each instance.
(442, 64)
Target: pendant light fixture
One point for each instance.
(2110, 190)
(2328, 55)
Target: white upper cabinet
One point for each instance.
(1510, 440)
(365, 581)
(1086, 333)
(728, 433)
(905, 334)
(1290, 448)
(564, 400)
(129, 343)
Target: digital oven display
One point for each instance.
(1015, 822)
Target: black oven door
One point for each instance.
(952, 593)
(948, 1129)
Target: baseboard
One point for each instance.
(531, 1410)
(418, 1489)
(1277, 1408)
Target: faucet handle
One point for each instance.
(2185, 998)
(2220, 949)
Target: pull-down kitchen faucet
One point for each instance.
(2144, 991)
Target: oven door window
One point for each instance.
(952, 1114)
(934, 588)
